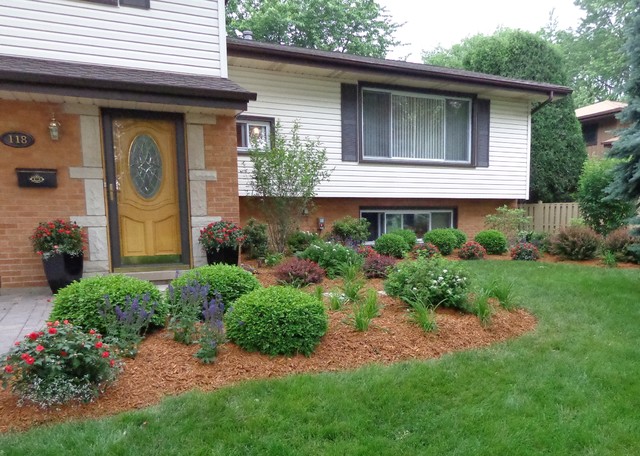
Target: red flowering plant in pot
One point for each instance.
(58, 364)
(221, 241)
(61, 245)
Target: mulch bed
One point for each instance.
(164, 367)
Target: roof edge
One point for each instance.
(288, 54)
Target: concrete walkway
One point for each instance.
(21, 314)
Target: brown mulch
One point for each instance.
(164, 367)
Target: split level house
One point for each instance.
(133, 118)
(600, 125)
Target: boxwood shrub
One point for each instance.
(228, 280)
(461, 238)
(443, 238)
(494, 241)
(392, 245)
(80, 302)
(408, 235)
(277, 321)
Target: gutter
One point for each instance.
(543, 104)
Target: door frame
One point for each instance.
(108, 116)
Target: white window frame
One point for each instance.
(417, 95)
(409, 211)
(247, 124)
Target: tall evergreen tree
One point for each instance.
(626, 182)
(557, 148)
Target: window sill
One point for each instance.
(416, 163)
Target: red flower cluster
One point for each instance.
(58, 236)
(221, 234)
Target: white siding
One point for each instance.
(316, 104)
(174, 35)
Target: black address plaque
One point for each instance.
(17, 139)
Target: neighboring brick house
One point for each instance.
(600, 125)
(144, 96)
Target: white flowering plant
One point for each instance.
(432, 282)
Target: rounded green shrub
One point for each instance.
(229, 281)
(443, 238)
(408, 235)
(81, 302)
(300, 240)
(429, 282)
(277, 321)
(351, 230)
(494, 241)
(392, 245)
(461, 238)
(331, 257)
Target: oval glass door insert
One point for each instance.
(145, 166)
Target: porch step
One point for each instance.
(156, 277)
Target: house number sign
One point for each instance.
(17, 139)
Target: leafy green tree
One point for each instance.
(594, 53)
(599, 212)
(284, 177)
(557, 147)
(626, 183)
(353, 26)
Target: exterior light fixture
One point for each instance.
(54, 128)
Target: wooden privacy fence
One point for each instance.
(550, 217)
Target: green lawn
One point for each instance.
(570, 387)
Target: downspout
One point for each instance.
(543, 104)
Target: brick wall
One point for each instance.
(220, 154)
(22, 208)
(471, 213)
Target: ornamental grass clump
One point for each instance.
(524, 251)
(277, 321)
(57, 237)
(299, 272)
(435, 282)
(127, 325)
(222, 234)
(59, 364)
(472, 251)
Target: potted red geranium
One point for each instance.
(221, 242)
(61, 246)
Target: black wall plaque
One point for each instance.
(17, 139)
(38, 178)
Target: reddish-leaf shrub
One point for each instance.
(576, 243)
(472, 251)
(426, 250)
(377, 266)
(299, 272)
(365, 250)
(524, 251)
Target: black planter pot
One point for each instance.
(226, 255)
(62, 269)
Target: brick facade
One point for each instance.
(23, 208)
(470, 213)
(220, 155)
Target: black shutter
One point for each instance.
(349, 113)
(136, 3)
(483, 109)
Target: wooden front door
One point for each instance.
(145, 173)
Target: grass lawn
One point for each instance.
(570, 387)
